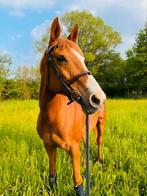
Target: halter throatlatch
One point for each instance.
(72, 95)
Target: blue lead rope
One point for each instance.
(87, 157)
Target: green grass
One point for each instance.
(24, 162)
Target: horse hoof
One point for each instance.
(52, 182)
(79, 190)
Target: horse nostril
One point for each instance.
(94, 101)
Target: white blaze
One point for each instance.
(92, 85)
(80, 57)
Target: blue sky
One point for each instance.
(22, 22)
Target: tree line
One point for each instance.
(118, 77)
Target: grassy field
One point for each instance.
(24, 162)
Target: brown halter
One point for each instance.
(72, 94)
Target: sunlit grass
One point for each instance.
(24, 162)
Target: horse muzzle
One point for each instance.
(93, 104)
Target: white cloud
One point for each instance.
(19, 13)
(136, 8)
(40, 30)
(4, 51)
(18, 7)
(24, 4)
(16, 37)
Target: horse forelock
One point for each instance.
(67, 44)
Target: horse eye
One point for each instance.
(61, 58)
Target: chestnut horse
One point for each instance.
(65, 77)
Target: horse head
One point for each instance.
(65, 72)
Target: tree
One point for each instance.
(5, 62)
(111, 75)
(28, 73)
(136, 64)
(95, 37)
(28, 79)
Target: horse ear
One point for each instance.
(55, 31)
(74, 33)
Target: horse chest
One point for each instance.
(66, 121)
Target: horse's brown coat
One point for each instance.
(59, 124)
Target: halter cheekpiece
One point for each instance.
(71, 94)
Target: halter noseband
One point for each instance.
(72, 94)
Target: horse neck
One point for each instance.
(46, 94)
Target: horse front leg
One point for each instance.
(75, 156)
(52, 153)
